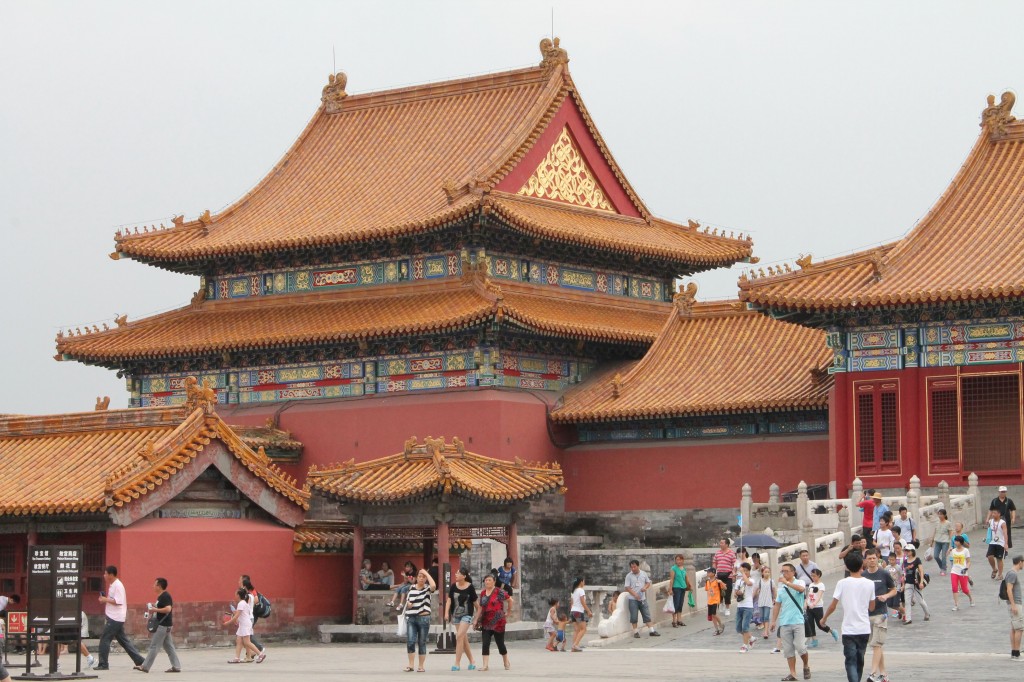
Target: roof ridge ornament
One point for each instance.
(199, 395)
(616, 385)
(684, 298)
(553, 55)
(334, 93)
(996, 116)
(102, 404)
(804, 262)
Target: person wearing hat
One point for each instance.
(881, 508)
(1007, 512)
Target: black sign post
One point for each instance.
(55, 606)
(445, 640)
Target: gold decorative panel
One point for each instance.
(564, 175)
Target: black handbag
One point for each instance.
(154, 621)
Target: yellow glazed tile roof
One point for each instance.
(970, 246)
(85, 463)
(433, 468)
(311, 319)
(712, 358)
(392, 163)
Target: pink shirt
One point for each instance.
(119, 610)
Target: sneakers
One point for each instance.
(813, 644)
(776, 650)
(636, 635)
(725, 612)
(744, 648)
(655, 633)
(955, 608)
(90, 660)
(835, 634)
(927, 617)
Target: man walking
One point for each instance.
(885, 589)
(116, 610)
(1007, 511)
(867, 506)
(162, 637)
(637, 582)
(907, 526)
(725, 566)
(997, 547)
(857, 595)
(788, 613)
(804, 568)
(1013, 593)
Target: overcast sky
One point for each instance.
(816, 126)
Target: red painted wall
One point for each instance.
(494, 423)
(684, 476)
(202, 558)
(322, 585)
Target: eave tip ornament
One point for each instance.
(552, 54)
(334, 93)
(996, 116)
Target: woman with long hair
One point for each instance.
(490, 619)
(461, 608)
(579, 613)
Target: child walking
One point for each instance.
(960, 561)
(713, 586)
(551, 626)
(816, 607)
(243, 617)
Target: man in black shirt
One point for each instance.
(163, 610)
(885, 589)
(1007, 511)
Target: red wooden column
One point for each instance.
(357, 564)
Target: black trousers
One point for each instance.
(499, 639)
(115, 630)
(727, 596)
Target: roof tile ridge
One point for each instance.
(544, 292)
(447, 88)
(521, 140)
(809, 268)
(501, 196)
(729, 308)
(977, 158)
(605, 151)
(80, 422)
(258, 462)
(693, 227)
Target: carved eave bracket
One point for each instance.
(995, 117)
(334, 93)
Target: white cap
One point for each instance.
(1002, 488)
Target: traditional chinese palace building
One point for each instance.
(927, 333)
(462, 260)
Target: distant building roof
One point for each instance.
(969, 247)
(710, 358)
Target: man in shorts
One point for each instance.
(788, 613)
(1013, 591)
(885, 589)
(1008, 510)
(637, 583)
(996, 548)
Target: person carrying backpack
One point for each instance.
(260, 607)
(1010, 590)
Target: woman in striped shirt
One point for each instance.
(417, 618)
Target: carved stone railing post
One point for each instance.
(746, 507)
(944, 496)
(856, 492)
(773, 494)
(914, 498)
(974, 491)
(801, 505)
(844, 525)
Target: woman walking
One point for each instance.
(417, 618)
(461, 607)
(764, 598)
(490, 618)
(579, 613)
(941, 539)
(680, 584)
(743, 591)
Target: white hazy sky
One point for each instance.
(819, 127)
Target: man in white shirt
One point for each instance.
(637, 584)
(857, 595)
(996, 548)
(116, 609)
(884, 539)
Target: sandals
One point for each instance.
(407, 669)
(807, 673)
(234, 660)
(788, 678)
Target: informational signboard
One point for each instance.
(40, 586)
(54, 601)
(67, 593)
(17, 622)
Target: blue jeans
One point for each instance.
(940, 554)
(678, 594)
(744, 614)
(854, 647)
(416, 631)
(638, 608)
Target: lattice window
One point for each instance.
(866, 428)
(990, 422)
(890, 438)
(943, 430)
(95, 553)
(7, 559)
